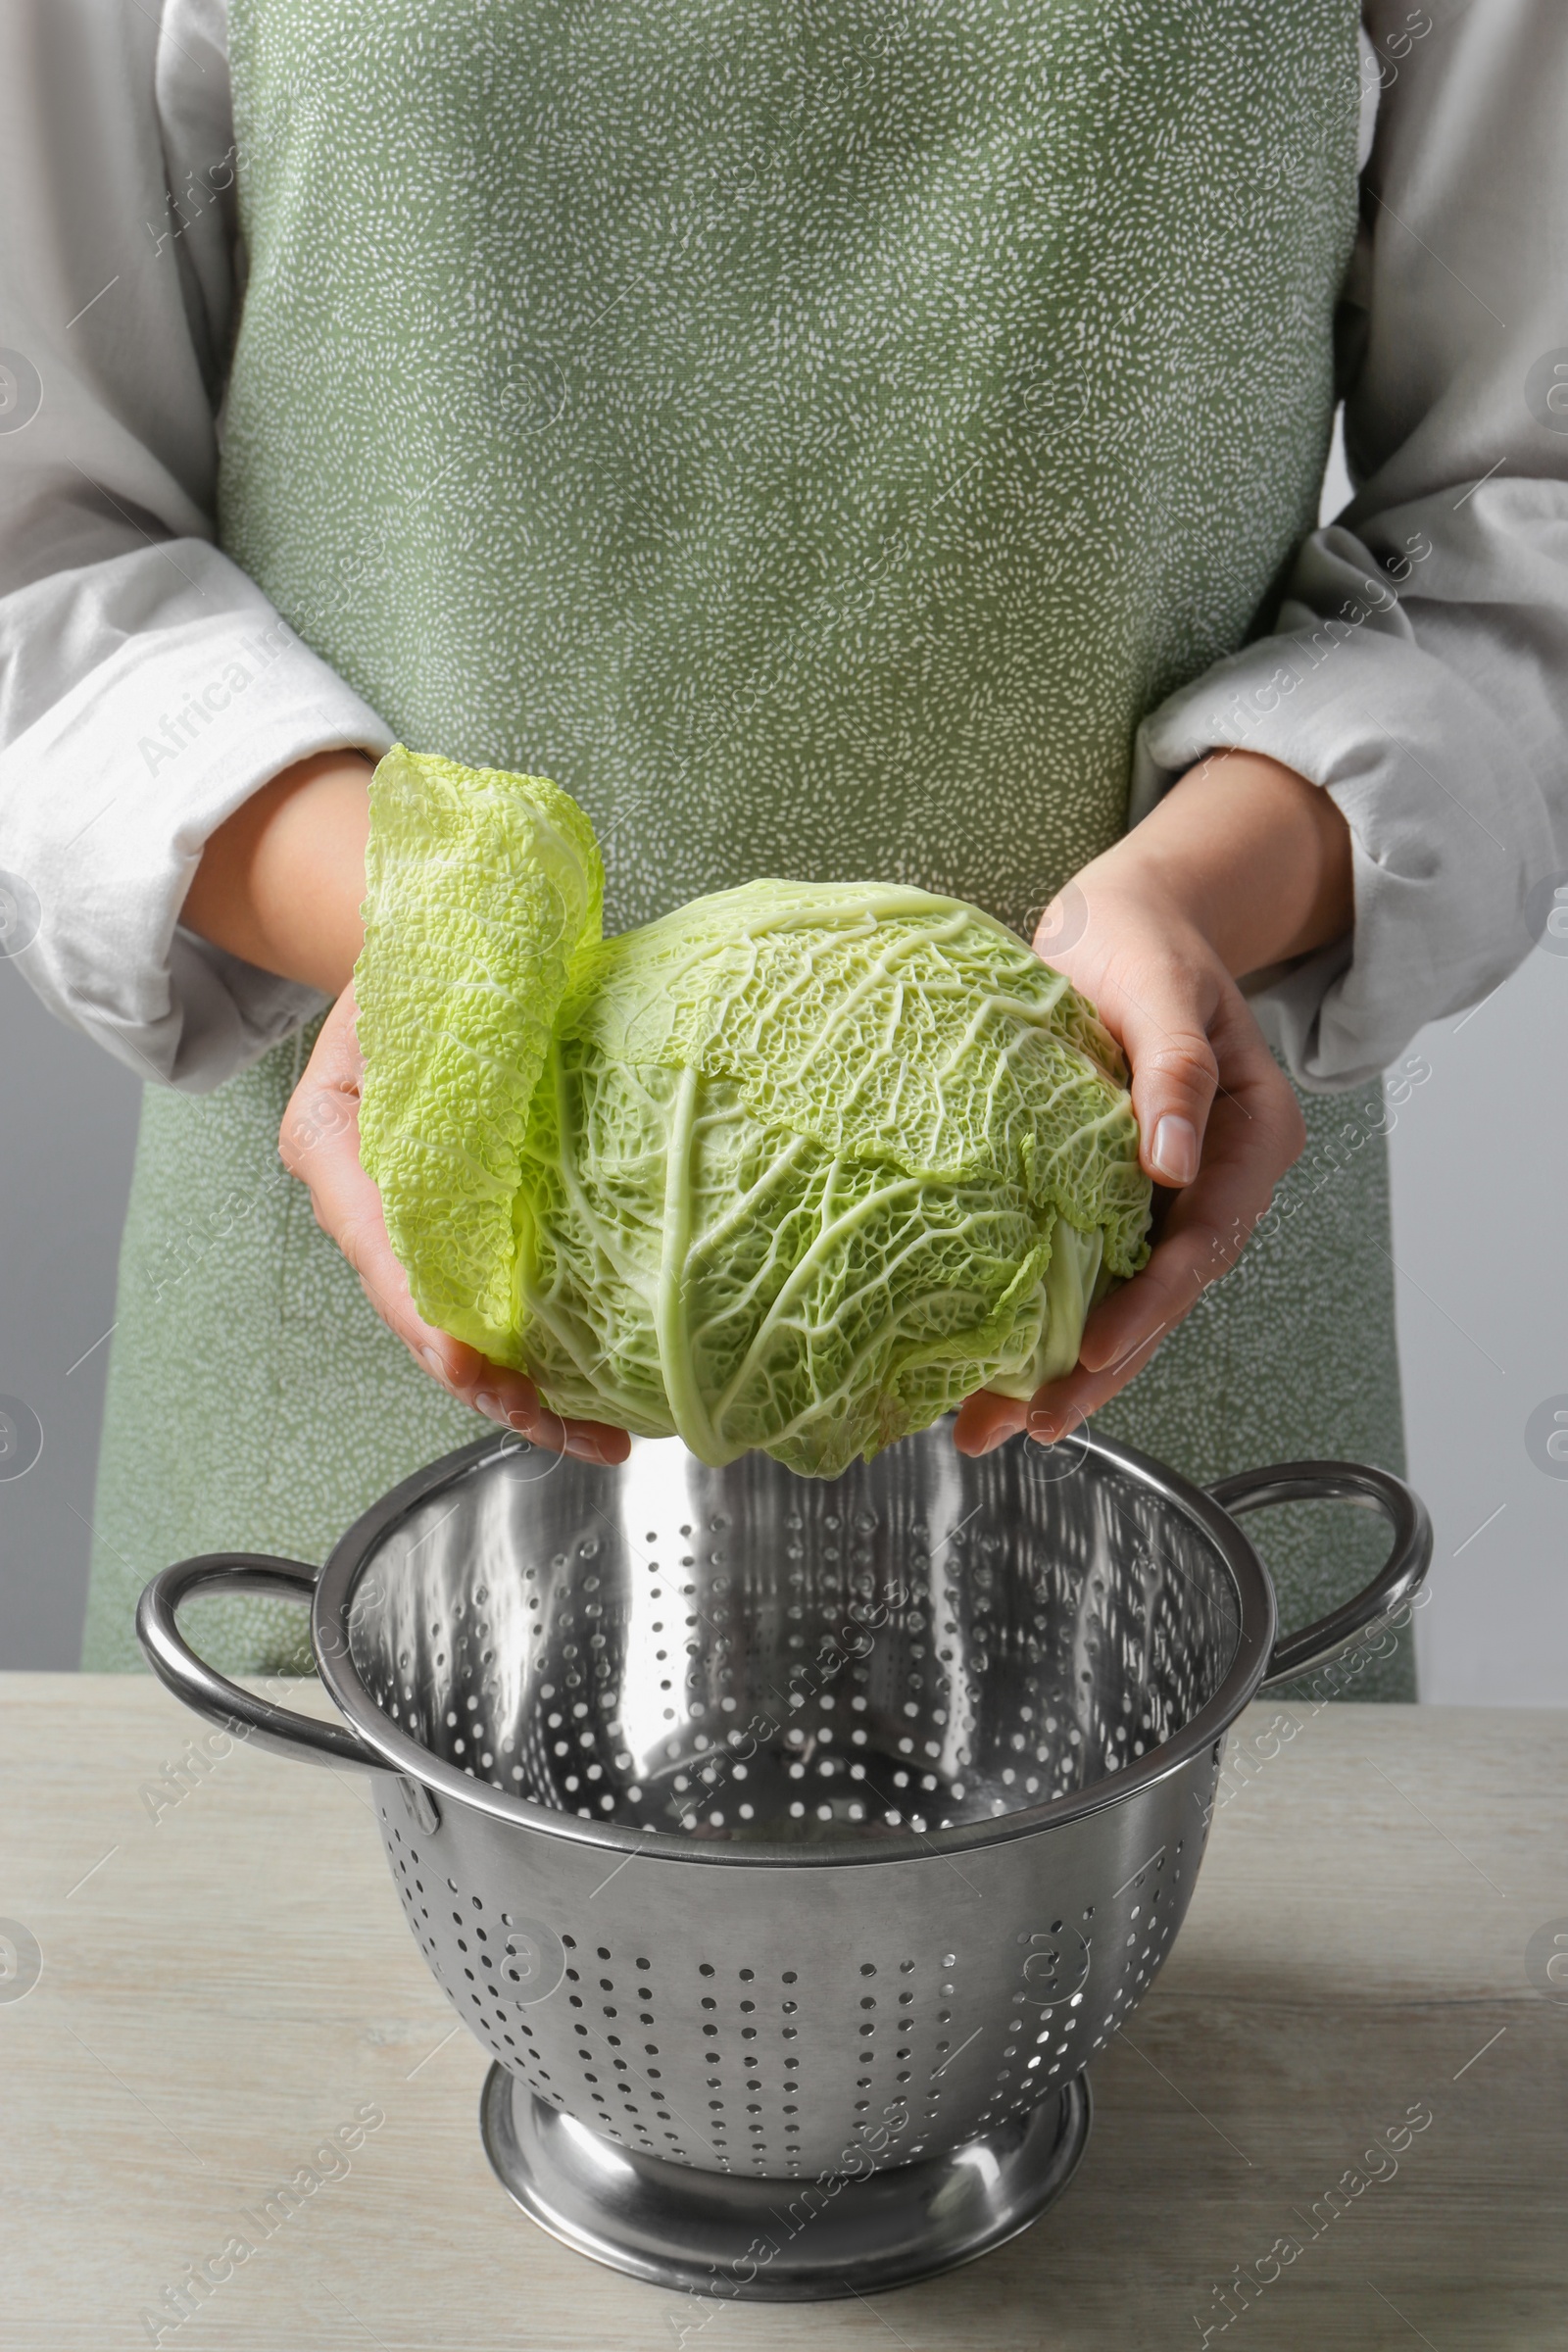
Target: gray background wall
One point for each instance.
(1481, 1242)
(68, 1128)
(1481, 1250)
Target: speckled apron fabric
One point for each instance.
(814, 437)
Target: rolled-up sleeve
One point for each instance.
(1417, 668)
(147, 687)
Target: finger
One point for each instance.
(1206, 1232)
(497, 1391)
(512, 1401)
(500, 1392)
(1065, 1404)
(1209, 1227)
(320, 1143)
(1253, 1133)
(1203, 1237)
(985, 1420)
(1175, 1072)
(327, 1101)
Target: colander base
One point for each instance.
(726, 2237)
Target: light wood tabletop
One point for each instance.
(207, 1987)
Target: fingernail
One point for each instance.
(1043, 1429)
(1175, 1150)
(492, 1408)
(997, 1438)
(585, 1449)
(432, 1360)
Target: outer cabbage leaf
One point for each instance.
(481, 890)
(798, 1166)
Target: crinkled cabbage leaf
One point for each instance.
(798, 1166)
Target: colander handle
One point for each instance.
(1400, 1576)
(246, 1714)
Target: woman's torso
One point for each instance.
(812, 437)
(815, 441)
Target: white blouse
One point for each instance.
(1419, 670)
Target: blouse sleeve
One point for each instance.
(1418, 668)
(147, 687)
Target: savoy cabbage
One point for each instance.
(798, 1166)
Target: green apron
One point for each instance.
(814, 439)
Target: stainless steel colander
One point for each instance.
(792, 1846)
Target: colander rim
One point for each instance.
(1258, 1622)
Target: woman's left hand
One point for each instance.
(320, 1143)
(281, 883)
(1244, 864)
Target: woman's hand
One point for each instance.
(320, 1143)
(1244, 864)
(280, 885)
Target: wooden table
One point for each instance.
(227, 1988)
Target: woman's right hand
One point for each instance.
(279, 884)
(320, 1143)
(1244, 864)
